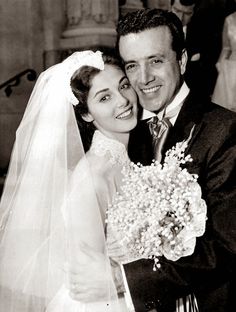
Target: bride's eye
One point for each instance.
(125, 85)
(105, 98)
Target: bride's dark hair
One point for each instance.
(81, 82)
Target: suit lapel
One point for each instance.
(190, 116)
(140, 144)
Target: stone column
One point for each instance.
(52, 26)
(90, 23)
(131, 5)
(159, 4)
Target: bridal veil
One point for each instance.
(43, 219)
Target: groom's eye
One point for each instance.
(157, 61)
(130, 67)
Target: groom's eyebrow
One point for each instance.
(147, 57)
(127, 62)
(100, 91)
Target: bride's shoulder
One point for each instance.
(98, 163)
(104, 157)
(91, 164)
(89, 172)
(108, 151)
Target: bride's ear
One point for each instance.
(88, 117)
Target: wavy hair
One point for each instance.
(81, 82)
(141, 20)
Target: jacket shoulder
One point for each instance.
(219, 120)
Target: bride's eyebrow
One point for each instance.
(123, 78)
(100, 91)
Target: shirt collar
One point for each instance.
(176, 102)
(185, 30)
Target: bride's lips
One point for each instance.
(125, 114)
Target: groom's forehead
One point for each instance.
(145, 44)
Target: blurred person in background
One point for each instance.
(202, 29)
(225, 89)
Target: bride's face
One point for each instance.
(112, 102)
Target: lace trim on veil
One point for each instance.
(115, 150)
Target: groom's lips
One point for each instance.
(150, 90)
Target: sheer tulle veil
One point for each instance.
(43, 220)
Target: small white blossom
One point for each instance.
(159, 211)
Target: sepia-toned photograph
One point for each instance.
(118, 156)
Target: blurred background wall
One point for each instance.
(35, 34)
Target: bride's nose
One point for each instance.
(122, 100)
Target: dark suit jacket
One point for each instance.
(211, 271)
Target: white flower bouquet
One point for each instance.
(159, 210)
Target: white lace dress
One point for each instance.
(106, 158)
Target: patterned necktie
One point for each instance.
(159, 130)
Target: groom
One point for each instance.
(151, 44)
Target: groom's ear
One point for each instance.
(183, 61)
(88, 117)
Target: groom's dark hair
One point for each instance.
(141, 20)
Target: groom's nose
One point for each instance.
(145, 74)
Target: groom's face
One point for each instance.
(152, 67)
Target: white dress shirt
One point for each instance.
(176, 105)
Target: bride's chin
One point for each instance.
(131, 124)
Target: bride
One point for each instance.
(54, 203)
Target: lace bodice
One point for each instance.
(116, 154)
(113, 149)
